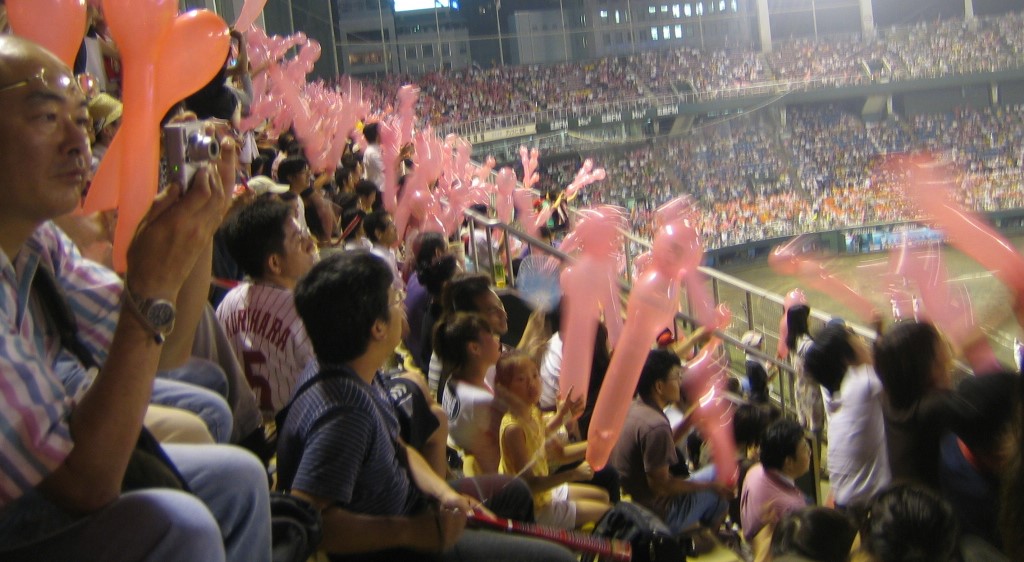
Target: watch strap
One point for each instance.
(139, 308)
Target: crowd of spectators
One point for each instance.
(310, 336)
(826, 169)
(923, 50)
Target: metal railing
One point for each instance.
(753, 308)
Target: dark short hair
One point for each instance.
(371, 132)
(364, 188)
(256, 232)
(817, 533)
(461, 293)
(749, 422)
(375, 222)
(829, 356)
(780, 441)
(285, 139)
(904, 359)
(339, 301)
(910, 523)
(289, 167)
(657, 367)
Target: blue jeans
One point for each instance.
(174, 388)
(227, 518)
(200, 372)
(687, 510)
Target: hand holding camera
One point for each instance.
(180, 224)
(189, 145)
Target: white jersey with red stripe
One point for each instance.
(268, 338)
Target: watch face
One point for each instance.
(161, 315)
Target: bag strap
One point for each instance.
(55, 306)
(282, 415)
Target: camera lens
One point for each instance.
(201, 148)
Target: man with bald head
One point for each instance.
(67, 434)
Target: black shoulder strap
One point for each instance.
(281, 416)
(55, 305)
(141, 473)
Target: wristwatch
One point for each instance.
(155, 314)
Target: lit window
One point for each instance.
(664, 9)
(651, 9)
(666, 32)
(654, 33)
(734, 8)
(604, 14)
(686, 10)
(700, 8)
(618, 19)
(679, 32)
(721, 5)
(675, 10)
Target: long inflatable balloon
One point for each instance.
(651, 308)
(922, 270)
(164, 58)
(791, 259)
(58, 25)
(704, 383)
(587, 280)
(930, 188)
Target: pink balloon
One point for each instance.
(407, 97)
(57, 25)
(506, 185)
(592, 282)
(412, 207)
(389, 154)
(651, 308)
(523, 199)
(705, 383)
(930, 189)
(791, 259)
(250, 11)
(922, 270)
(586, 176)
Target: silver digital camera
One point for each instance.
(188, 145)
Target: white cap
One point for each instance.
(263, 184)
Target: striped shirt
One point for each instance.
(340, 443)
(268, 339)
(39, 381)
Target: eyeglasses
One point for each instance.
(55, 81)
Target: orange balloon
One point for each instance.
(193, 51)
(165, 59)
(58, 25)
(138, 25)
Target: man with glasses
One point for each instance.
(646, 450)
(67, 446)
(340, 446)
